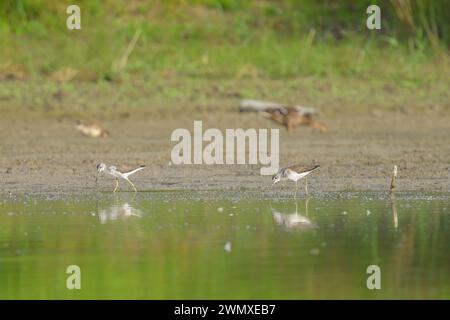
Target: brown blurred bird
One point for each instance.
(288, 117)
(294, 116)
(92, 130)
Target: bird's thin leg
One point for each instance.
(135, 190)
(296, 187)
(306, 185)
(117, 185)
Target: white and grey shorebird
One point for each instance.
(118, 174)
(294, 173)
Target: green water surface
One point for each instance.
(164, 247)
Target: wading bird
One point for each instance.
(118, 174)
(92, 130)
(294, 173)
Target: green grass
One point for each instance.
(183, 52)
(207, 54)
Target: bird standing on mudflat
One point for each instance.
(117, 173)
(294, 173)
(92, 130)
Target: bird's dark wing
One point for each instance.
(133, 169)
(302, 168)
(124, 168)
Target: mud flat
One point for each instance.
(49, 157)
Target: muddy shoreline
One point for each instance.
(49, 157)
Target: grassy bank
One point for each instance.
(206, 54)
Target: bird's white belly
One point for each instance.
(115, 174)
(297, 176)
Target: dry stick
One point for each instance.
(120, 66)
(393, 180)
(310, 37)
(250, 105)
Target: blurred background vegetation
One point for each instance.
(228, 40)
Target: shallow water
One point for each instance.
(197, 247)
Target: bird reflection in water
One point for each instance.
(293, 221)
(118, 211)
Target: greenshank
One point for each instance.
(294, 173)
(117, 174)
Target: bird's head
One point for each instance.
(276, 177)
(101, 167)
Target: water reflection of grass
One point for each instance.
(176, 250)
